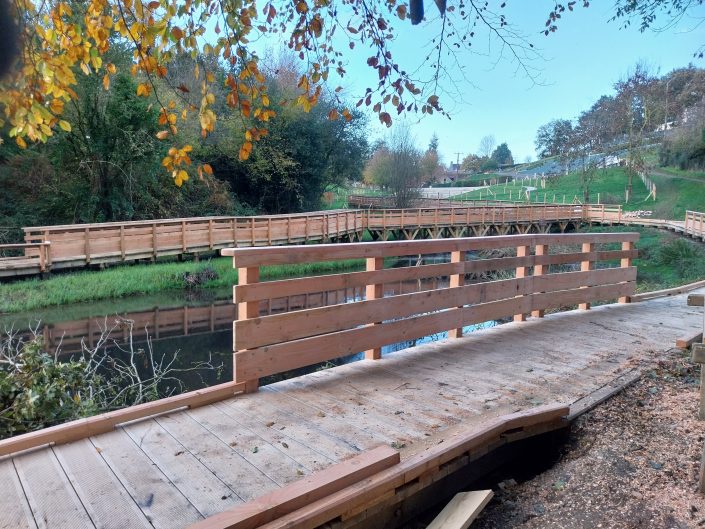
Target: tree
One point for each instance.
(552, 139)
(637, 97)
(61, 40)
(487, 145)
(433, 143)
(502, 155)
(471, 163)
(396, 166)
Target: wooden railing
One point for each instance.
(35, 253)
(77, 244)
(468, 215)
(272, 344)
(694, 224)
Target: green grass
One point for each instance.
(682, 172)
(609, 184)
(135, 280)
(665, 259)
(675, 196)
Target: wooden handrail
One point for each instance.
(271, 344)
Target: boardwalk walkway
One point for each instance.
(175, 469)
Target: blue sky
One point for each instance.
(581, 61)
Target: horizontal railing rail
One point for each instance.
(39, 252)
(487, 278)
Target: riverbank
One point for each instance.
(665, 260)
(141, 279)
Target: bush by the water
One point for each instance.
(38, 390)
(683, 257)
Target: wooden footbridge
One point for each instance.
(48, 248)
(369, 443)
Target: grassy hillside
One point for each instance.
(609, 184)
(676, 191)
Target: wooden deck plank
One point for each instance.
(276, 434)
(307, 433)
(15, 512)
(53, 501)
(270, 459)
(227, 462)
(195, 481)
(105, 499)
(385, 414)
(161, 502)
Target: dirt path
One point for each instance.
(631, 463)
(675, 177)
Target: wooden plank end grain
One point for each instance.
(684, 343)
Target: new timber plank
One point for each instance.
(225, 461)
(203, 489)
(302, 430)
(271, 460)
(462, 510)
(299, 494)
(105, 499)
(162, 503)
(53, 501)
(15, 512)
(277, 435)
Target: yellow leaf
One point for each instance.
(207, 169)
(65, 125)
(162, 134)
(106, 81)
(245, 150)
(56, 106)
(21, 143)
(181, 177)
(111, 68)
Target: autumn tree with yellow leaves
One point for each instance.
(61, 39)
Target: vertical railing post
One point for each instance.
(42, 258)
(374, 291)
(626, 262)
(210, 234)
(154, 241)
(252, 231)
(87, 245)
(539, 270)
(522, 251)
(122, 242)
(457, 280)
(585, 266)
(245, 311)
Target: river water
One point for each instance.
(196, 326)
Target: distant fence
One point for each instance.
(273, 344)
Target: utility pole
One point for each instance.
(457, 164)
